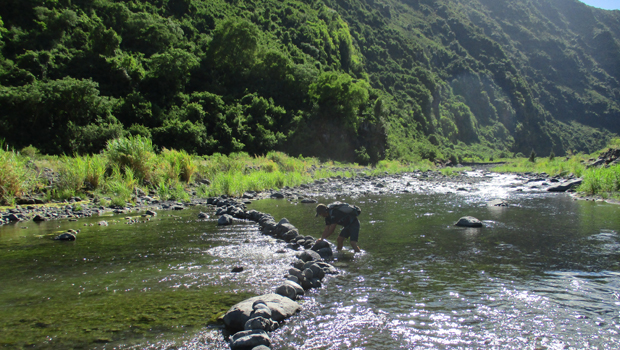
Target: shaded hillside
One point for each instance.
(351, 80)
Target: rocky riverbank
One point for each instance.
(416, 182)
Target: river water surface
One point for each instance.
(543, 272)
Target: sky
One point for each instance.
(604, 4)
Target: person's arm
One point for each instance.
(329, 229)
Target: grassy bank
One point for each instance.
(603, 182)
(130, 166)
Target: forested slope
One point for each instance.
(349, 80)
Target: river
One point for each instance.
(543, 272)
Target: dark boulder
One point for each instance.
(39, 218)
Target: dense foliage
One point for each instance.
(352, 80)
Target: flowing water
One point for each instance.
(543, 272)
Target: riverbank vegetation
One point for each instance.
(600, 181)
(130, 165)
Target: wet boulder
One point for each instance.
(261, 347)
(287, 236)
(236, 212)
(260, 310)
(317, 271)
(299, 291)
(281, 308)
(292, 278)
(202, 215)
(325, 253)
(298, 264)
(283, 228)
(563, 187)
(327, 268)
(309, 255)
(469, 221)
(13, 218)
(286, 290)
(296, 272)
(319, 244)
(260, 322)
(151, 213)
(225, 220)
(249, 339)
(254, 215)
(39, 218)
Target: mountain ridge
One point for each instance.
(348, 80)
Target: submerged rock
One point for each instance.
(225, 220)
(65, 237)
(469, 221)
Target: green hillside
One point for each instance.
(357, 80)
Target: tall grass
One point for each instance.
(557, 166)
(177, 165)
(71, 177)
(236, 183)
(121, 185)
(601, 181)
(15, 178)
(133, 152)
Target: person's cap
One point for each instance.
(320, 209)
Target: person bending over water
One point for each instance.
(340, 214)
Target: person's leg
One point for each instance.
(340, 243)
(354, 232)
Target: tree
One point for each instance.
(234, 45)
(340, 97)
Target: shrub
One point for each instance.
(532, 157)
(29, 151)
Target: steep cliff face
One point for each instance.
(521, 74)
(346, 79)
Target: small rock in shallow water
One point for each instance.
(65, 237)
(225, 220)
(250, 339)
(469, 221)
